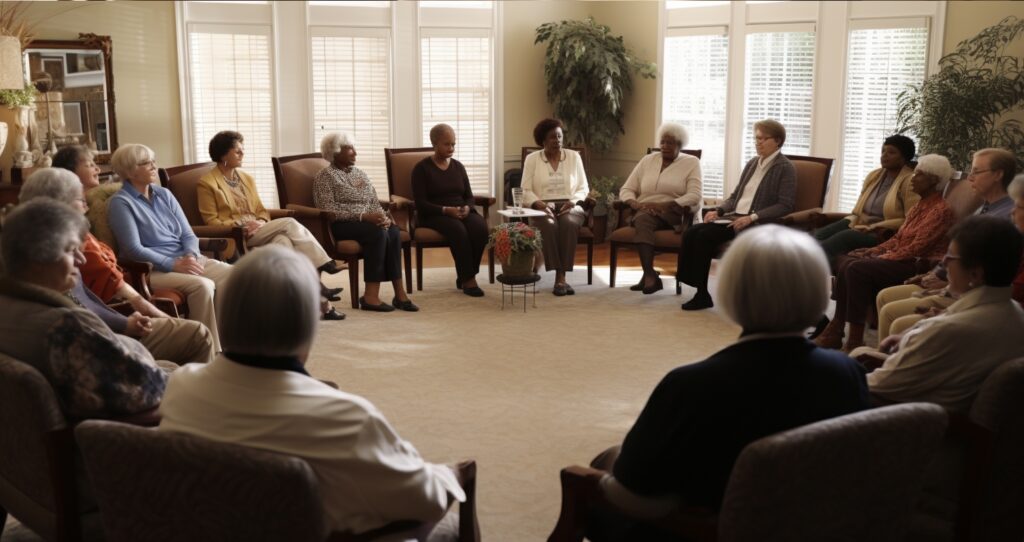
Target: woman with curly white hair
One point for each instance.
(922, 238)
(661, 187)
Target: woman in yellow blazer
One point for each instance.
(227, 197)
(883, 203)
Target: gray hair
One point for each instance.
(438, 130)
(270, 305)
(675, 131)
(56, 183)
(938, 166)
(1016, 188)
(333, 142)
(774, 279)
(128, 156)
(38, 232)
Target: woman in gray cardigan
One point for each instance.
(767, 190)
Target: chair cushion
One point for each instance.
(586, 233)
(662, 238)
(97, 214)
(168, 293)
(347, 248)
(428, 235)
(623, 235)
(404, 236)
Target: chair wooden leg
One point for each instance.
(407, 252)
(590, 262)
(613, 262)
(419, 268)
(353, 281)
(490, 263)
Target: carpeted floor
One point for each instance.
(524, 394)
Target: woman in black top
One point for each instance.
(444, 202)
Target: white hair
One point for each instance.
(270, 304)
(774, 279)
(332, 144)
(56, 183)
(1016, 188)
(39, 232)
(938, 166)
(128, 156)
(673, 130)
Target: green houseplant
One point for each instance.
(515, 245)
(589, 74)
(965, 106)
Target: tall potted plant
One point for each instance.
(589, 74)
(965, 106)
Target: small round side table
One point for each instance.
(509, 285)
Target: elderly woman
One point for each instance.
(346, 191)
(173, 339)
(259, 394)
(554, 182)
(681, 450)
(862, 273)
(945, 359)
(660, 188)
(79, 160)
(227, 197)
(444, 202)
(767, 189)
(151, 227)
(882, 205)
(94, 372)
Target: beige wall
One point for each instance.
(965, 19)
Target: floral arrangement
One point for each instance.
(510, 237)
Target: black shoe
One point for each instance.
(700, 301)
(560, 290)
(818, 328)
(407, 305)
(569, 290)
(332, 314)
(648, 290)
(638, 287)
(383, 307)
(331, 268)
(474, 291)
(331, 293)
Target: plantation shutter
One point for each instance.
(696, 74)
(882, 62)
(230, 74)
(352, 94)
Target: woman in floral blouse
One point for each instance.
(346, 191)
(919, 242)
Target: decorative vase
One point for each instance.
(519, 264)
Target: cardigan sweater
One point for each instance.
(775, 195)
(900, 198)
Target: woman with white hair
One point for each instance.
(660, 188)
(773, 283)
(259, 394)
(151, 227)
(344, 190)
(862, 273)
(94, 372)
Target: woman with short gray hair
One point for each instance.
(94, 372)
(660, 189)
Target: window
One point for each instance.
(455, 76)
(231, 89)
(696, 73)
(779, 85)
(351, 94)
(881, 63)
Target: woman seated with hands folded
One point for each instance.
(660, 188)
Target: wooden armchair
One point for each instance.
(665, 241)
(400, 163)
(244, 493)
(853, 478)
(294, 175)
(586, 234)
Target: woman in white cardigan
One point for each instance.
(554, 182)
(661, 187)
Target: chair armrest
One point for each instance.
(137, 274)
(587, 204)
(165, 305)
(484, 201)
(788, 219)
(301, 211)
(146, 418)
(317, 221)
(235, 233)
(216, 245)
(398, 203)
(123, 308)
(469, 528)
(280, 213)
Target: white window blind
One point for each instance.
(696, 74)
(456, 90)
(351, 94)
(231, 90)
(881, 63)
(779, 84)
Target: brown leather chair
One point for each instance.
(294, 175)
(586, 234)
(823, 481)
(400, 163)
(665, 241)
(149, 485)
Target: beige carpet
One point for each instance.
(523, 394)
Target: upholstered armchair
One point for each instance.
(812, 175)
(855, 477)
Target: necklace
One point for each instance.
(234, 180)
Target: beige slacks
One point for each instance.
(289, 233)
(559, 237)
(200, 291)
(180, 341)
(897, 308)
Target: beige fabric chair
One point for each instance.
(400, 163)
(851, 478)
(158, 485)
(294, 175)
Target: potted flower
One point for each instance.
(515, 245)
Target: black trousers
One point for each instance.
(382, 249)
(701, 243)
(467, 239)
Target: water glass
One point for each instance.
(517, 200)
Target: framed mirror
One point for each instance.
(74, 95)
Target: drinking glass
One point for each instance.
(517, 200)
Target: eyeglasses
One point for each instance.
(947, 257)
(978, 172)
(148, 163)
